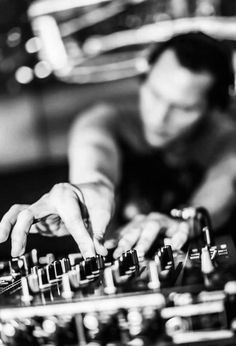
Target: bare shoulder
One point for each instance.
(97, 115)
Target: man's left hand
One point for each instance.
(142, 231)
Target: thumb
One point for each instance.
(99, 247)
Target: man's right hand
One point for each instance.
(61, 206)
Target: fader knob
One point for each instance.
(25, 297)
(91, 266)
(154, 281)
(206, 263)
(86, 264)
(33, 282)
(108, 281)
(74, 277)
(66, 288)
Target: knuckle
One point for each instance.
(154, 214)
(15, 208)
(157, 216)
(26, 213)
(151, 224)
(60, 187)
(43, 199)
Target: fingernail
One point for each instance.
(117, 253)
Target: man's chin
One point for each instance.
(157, 141)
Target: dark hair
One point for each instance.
(199, 52)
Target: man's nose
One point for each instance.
(160, 115)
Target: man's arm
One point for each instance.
(94, 157)
(93, 150)
(216, 194)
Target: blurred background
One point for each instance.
(58, 57)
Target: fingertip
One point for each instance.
(18, 247)
(178, 241)
(177, 246)
(87, 248)
(87, 254)
(168, 242)
(100, 220)
(103, 252)
(14, 254)
(117, 253)
(17, 251)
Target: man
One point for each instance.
(177, 147)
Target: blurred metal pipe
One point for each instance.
(224, 28)
(40, 8)
(53, 49)
(86, 68)
(91, 18)
(108, 72)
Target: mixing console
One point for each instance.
(175, 297)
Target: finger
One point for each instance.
(50, 225)
(20, 231)
(99, 219)
(129, 236)
(150, 231)
(172, 229)
(181, 236)
(62, 200)
(42, 208)
(43, 229)
(112, 237)
(71, 216)
(8, 221)
(39, 227)
(52, 222)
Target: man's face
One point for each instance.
(172, 100)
